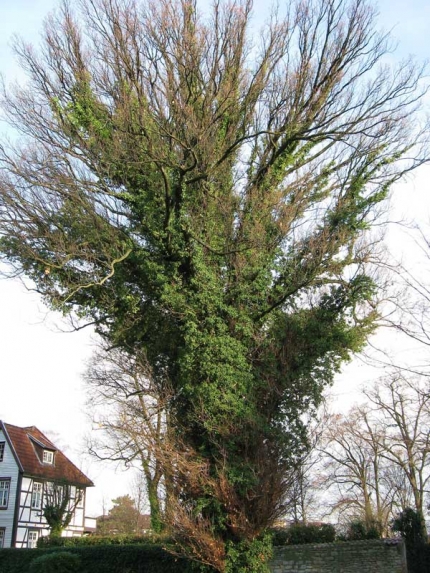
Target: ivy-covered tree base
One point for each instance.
(249, 556)
(205, 200)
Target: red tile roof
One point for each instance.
(29, 444)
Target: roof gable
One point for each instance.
(44, 446)
(29, 443)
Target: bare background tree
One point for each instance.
(354, 469)
(303, 497)
(61, 501)
(403, 405)
(130, 413)
(372, 462)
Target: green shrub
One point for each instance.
(280, 536)
(91, 540)
(300, 534)
(58, 562)
(426, 557)
(359, 529)
(249, 556)
(410, 524)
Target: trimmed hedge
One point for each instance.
(91, 540)
(17, 560)
(300, 534)
(102, 559)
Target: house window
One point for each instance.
(2, 451)
(4, 492)
(48, 457)
(2, 532)
(36, 495)
(33, 536)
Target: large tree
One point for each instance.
(205, 198)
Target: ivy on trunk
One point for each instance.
(203, 194)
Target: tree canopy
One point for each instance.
(123, 518)
(202, 195)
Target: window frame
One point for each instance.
(2, 536)
(31, 541)
(4, 496)
(2, 450)
(48, 457)
(36, 495)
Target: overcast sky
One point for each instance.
(41, 365)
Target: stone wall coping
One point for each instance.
(358, 542)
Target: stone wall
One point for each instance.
(370, 556)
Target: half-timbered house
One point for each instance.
(31, 467)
